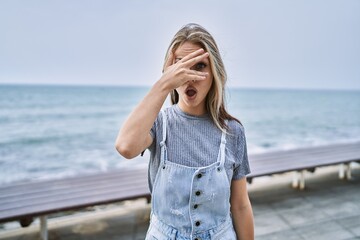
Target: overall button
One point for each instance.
(197, 223)
(196, 206)
(198, 193)
(199, 175)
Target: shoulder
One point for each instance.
(166, 112)
(235, 128)
(236, 135)
(169, 112)
(164, 115)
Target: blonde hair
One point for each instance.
(215, 98)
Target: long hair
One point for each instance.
(215, 98)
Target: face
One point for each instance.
(192, 95)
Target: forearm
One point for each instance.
(243, 222)
(132, 136)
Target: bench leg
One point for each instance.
(348, 171)
(342, 171)
(299, 179)
(43, 228)
(302, 180)
(345, 171)
(295, 182)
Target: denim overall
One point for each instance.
(190, 202)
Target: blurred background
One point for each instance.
(71, 72)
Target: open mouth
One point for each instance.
(190, 91)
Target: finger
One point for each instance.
(196, 78)
(195, 75)
(192, 55)
(191, 62)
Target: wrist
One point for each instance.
(163, 86)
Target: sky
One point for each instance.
(307, 44)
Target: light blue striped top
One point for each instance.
(194, 141)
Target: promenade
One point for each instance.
(329, 208)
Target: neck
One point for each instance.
(198, 110)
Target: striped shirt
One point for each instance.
(194, 141)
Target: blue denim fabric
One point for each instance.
(191, 202)
(161, 231)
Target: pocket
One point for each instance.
(154, 234)
(226, 234)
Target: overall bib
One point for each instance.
(190, 202)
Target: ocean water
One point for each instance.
(58, 131)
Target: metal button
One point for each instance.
(198, 193)
(196, 206)
(219, 169)
(197, 223)
(199, 175)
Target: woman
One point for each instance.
(198, 162)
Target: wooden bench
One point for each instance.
(24, 201)
(301, 160)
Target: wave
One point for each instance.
(47, 139)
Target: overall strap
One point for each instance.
(162, 143)
(222, 147)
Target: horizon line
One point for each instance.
(149, 86)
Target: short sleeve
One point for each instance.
(242, 167)
(154, 149)
(154, 131)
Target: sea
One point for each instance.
(55, 131)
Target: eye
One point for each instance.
(199, 66)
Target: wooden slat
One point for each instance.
(280, 156)
(47, 187)
(58, 193)
(84, 178)
(84, 197)
(72, 204)
(24, 198)
(305, 162)
(300, 159)
(287, 154)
